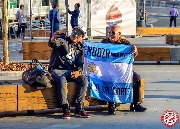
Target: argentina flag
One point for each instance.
(109, 68)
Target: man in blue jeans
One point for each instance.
(66, 64)
(54, 18)
(173, 14)
(115, 38)
(75, 15)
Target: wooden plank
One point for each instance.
(153, 54)
(157, 31)
(32, 99)
(8, 98)
(34, 49)
(142, 90)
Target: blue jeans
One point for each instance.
(61, 78)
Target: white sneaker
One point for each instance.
(20, 40)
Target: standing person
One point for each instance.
(173, 14)
(66, 64)
(75, 15)
(21, 16)
(115, 38)
(140, 15)
(54, 18)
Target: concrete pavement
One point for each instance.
(162, 92)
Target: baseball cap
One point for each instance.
(81, 28)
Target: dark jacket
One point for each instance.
(120, 41)
(53, 16)
(68, 56)
(74, 17)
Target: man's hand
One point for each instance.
(134, 48)
(54, 38)
(75, 74)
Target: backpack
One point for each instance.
(36, 76)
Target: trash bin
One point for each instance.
(141, 23)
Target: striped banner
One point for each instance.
(109, 68)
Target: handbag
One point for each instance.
(36, 76)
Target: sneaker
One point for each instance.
(137, 108)
(66, 111)
(111, 108)
(82, 114)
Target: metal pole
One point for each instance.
(144, 8)
(89, 18)
(67, 28)
(5, 32)
(30, 22)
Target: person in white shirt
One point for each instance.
(21, 16)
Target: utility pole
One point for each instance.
(5, 32)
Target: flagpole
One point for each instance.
(67, 28)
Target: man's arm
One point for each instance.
(75, 12)
(17, 15)
(79, 62)
(79, 67)
(58, 17)
(177, 13)
(49, 15)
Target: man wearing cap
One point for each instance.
(66, 64)
(115, 38)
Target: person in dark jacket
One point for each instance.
(54, 18)
(75, 15)
(66, 64)
(115, 38)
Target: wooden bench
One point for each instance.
(42, 32)
(154, 54)
(157, 31)
(32, 50)
(18, 96)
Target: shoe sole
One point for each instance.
(82, 116)
(66, 118)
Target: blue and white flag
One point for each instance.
(109, 68)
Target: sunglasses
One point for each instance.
(113, 33)
(76, 33)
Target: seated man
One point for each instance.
(115, 37)
(66, 64)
